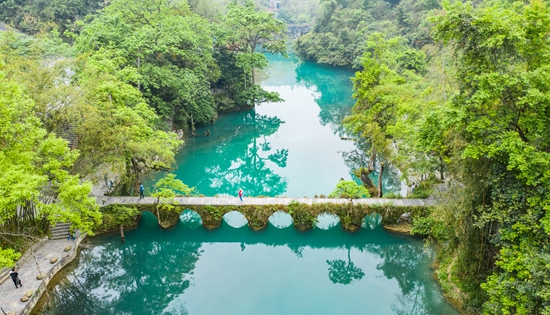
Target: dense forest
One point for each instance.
(458, 91)
(452, 91)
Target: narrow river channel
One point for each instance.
(293, 148)
(286, 149)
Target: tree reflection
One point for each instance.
(152, 271)
(344, 273)
(139, 278)
(237, 155)
(334, 89)
(359, 157)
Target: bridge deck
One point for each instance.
(234, 201)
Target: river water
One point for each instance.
(293, 148)
(285, 149)
(236, 271)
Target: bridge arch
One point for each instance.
(326, 221)
(235, 219)
(190, 218)
(371, 221)
(281, 220)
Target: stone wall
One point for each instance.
(33, 300)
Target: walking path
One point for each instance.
(10, 297)
(234, 201)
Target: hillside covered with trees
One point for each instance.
(460, 92)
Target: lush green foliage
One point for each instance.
(35, 168)
(349, 189)
(32, 17)
(479, 115)
(501, 112)
(8, 257)
(116, 215)
(166, 47)
(342, 27)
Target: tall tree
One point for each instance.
(245, 30)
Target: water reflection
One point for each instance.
(235, 219)
(343, 272)
(333, 89)
(235, 155)
(282, 271)
(191, 219)
(327, 221)
(280, 220)
(371, 221)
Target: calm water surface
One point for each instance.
(191, 270)
(293, 148)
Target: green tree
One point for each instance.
(165, 191)
(121, 215)
(349, 189)
(244, 30)
(169, 47)
(8, 257)
(115, 126)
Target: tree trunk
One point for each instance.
(380, 180)
(157, 206)
(135, 166)
(122, 233)
(441, 165)
(192, 126)
(372, 160)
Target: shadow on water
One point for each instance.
(191, 270)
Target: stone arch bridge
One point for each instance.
(304, 211)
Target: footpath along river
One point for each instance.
(288, 149)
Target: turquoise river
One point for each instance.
(286, 149)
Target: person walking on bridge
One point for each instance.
(241, 194)
(141, 189)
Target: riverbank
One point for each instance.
(46, 260)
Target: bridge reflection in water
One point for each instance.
(279, 270)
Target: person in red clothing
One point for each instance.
(241, 194)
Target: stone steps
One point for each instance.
(60, 231)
